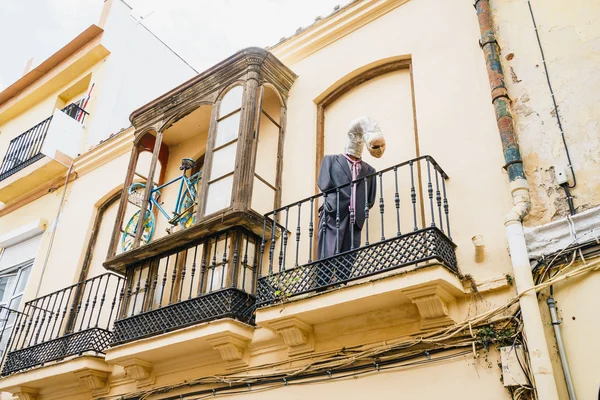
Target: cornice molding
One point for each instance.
(205, 86)
(332, 28)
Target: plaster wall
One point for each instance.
(140, 69)
(570, 36)
(74, 226)
(455, 121)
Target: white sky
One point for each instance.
(203, 32)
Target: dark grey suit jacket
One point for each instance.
(335, 172)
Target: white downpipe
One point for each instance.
(533, 326)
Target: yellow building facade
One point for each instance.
(178, 258)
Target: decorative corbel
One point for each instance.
(138, 370)
(297, 335)
(435, 305)
(233, 349)
(94, 380)
(25, 393)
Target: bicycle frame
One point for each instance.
(186, 182)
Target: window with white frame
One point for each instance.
(16, 262)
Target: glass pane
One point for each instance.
(219, 195)
(223, 161)
(5, 285)
(228, 129)
(231, 101)
(23, 277)
(263, 197)
(15, 302)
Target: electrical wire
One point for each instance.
(464, 334)
(560, 127)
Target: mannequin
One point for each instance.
(337, 170)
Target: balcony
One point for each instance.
(180, 291)
(42, 149)
(69, 322)
(406, 255)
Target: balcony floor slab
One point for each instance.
(432, 288)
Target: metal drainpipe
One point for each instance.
(561, 348)
(537, 346)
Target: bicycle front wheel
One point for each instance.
(128, 236)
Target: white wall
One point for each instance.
(139, 69)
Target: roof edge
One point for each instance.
(51, 62)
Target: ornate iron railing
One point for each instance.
(414, 229)
(207, 280)
(68, 322)
(26, 148)
(8, 318)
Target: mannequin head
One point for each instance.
(365, 131)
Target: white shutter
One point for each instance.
(20, 252)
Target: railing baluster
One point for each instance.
(97, 282)
(397, 201)
(224, 261)
(245, 263)
(137, 287)
(173, 277)
(337, 221)
(182, 275)
(43, 313)
(55, 295)
(298, 233)
(413, 194)
(114, 300)
(446, 206)
(366, 211)
(62, 296)
(238, 236)
(352, 213)
(64, 314)
(193, 271)
(323, 227)
(438, 197)
(262, 246)
(285, 239)
(430, 191)
(311, 230)
(103, 298)
(381, 205)
(154, 281)
(272, 245)
(203, 267)
(213, 266)
(87, 302)
(164, 283)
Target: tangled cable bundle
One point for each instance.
(347, 362)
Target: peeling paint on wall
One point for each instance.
(570, 36)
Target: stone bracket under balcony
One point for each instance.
(65, 379)
(227, 337)
(433, 289)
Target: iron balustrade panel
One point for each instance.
(226, 303)
(395, 217)
(410, 249)
(90, 340)
(8, 317)
(26, 148)
(67, 322)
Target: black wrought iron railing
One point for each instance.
(207, 280)
(68, 322)
(8, 318)
(406, 222)
(26, 148)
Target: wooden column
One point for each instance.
(208, 159)
(147, 190)
(244, 173)
(280, 143)
(114, 240)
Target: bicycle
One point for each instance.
(184, 214)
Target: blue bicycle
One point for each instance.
(185, 206)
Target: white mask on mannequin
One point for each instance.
(365, 131)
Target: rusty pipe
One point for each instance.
(500, 99)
